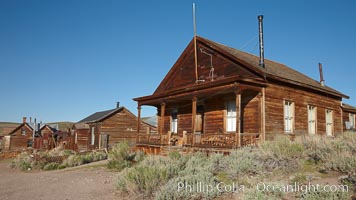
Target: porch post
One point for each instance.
(238, 118)
(194, 113)
(138, 118)
(161, 127)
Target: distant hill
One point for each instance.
(63, 126)
(150, 120)
(7, 127)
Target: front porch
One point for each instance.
(226, 117)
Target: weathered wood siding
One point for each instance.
(122, 126)
(214, 115)
(275, 95)
(182, 73)
(19, 141)
(82, 139)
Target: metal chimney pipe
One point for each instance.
(260, 31)
(322, 81)
(118, 104)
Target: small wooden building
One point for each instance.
(45, 140)
(21, 137)
(82, 137)
(348, 116)
(106, 128)
(226, 98)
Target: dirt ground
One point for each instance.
(87, 182)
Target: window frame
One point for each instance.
(315, 112)
(231, 116)
(291, 116)
(352, 120)
(332, 122)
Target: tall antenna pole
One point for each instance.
(195, 45)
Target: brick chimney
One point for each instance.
(24, 120)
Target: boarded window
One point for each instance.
(329, 122)
(352, 120)
(92, 142)
(174, 121)
(231, 116)
(312, 120)
(288, 117)
(23, 131)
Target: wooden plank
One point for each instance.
(194, 112)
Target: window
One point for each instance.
(352, 120)
(23, 131)
(288, 117)
(92, 142)
(174, 121)
(312, 120)
(329, 122)
(231, 116)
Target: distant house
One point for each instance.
(348, 116)
(107, 128)
(46, 138)
(21, 137)
(228, 98)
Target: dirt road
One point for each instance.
(88, 182)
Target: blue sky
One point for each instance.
(64, 60)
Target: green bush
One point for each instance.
(120, 156)
(140, 156)
(146, 177)
(282, 154)
(174, 155)
(241, 162)
(23, 161)
(51, 166)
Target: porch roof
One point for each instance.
(229, 85)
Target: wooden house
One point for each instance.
(348, 116)
(218, 96)
(21, 137)
(106, 128)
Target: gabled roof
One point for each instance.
(274, 70)
(99, 116)
(20, 126)
(348, 107)
(49, 127)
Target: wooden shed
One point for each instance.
(226, 99)
(348, 116)
(106, 128)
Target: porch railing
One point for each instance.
(152, 139)
(221, 140)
